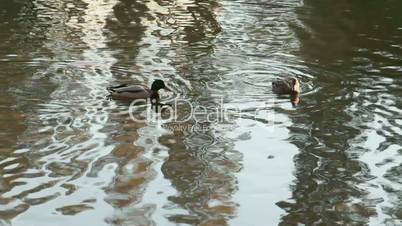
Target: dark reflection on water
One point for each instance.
(68, 155)
(342, 132)
(10, 118)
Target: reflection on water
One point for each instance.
(68, 155)
(342, 161)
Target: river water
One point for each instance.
(70, 156)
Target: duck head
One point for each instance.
(158, 84)
(295, 85)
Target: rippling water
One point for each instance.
(69, 155)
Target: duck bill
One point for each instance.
(167, 89)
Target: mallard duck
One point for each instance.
(289, 86)
(137, 92)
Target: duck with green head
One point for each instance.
(137, 92)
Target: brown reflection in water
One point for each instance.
(64, 113)
(125, 31)
(204, 21)
(19, 22)
(196, 26)
(203, 176)
(16, 22)
(133, 174)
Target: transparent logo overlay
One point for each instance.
(184, 115)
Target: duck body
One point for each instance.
(137, 92)
(132, 92)
(286, 86)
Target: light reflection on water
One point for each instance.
(69, 155)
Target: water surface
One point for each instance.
(69, 155)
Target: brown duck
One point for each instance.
(137, 92)
(290, 86)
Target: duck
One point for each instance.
(289, 86)
(286, 86)
(137, 92)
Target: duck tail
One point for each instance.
(113, 88)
